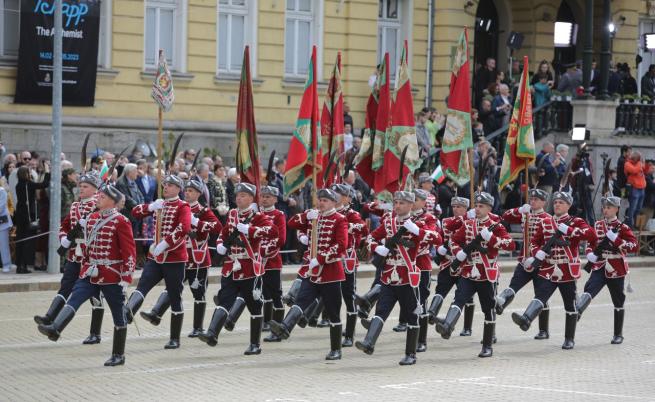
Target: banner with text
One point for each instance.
(81, 20)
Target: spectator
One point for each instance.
(145, 182)
(621, 181)
(352, 152)
(362, 190)
(5, 226)
(347, 118)
(635, 172)
(561, 152)
(202, 174)
(570, 80)
(487, 117)
(502, 105)
(233, 179)
(484, 76)
(217, 195)
(628, 82)
(648, 82)
(26, 216)
(126, 184)
(547, 169)
(218, 161)
(68, 184)
(541, 90)
(544, 68)
(210, 164)
(422, 135)
(347, 137)
(189, 155)
(9, 159)
(445, 193)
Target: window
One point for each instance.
(302, 30)
(9, 29)
(394, 27)
(165, 28)
(104, 34)
(237, 27)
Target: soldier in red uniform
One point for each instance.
(270, 248)
(326, 271)
(428, 223)
(555, 245)
(478, 268)
(241, 282)
(70, 236)
(107, 266)
(397, 241)
(203, 224)
(166, 259)
(606, 255)
(426, 183)
(522, 273)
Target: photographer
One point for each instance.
(635, 172)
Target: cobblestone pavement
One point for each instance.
(34, 368)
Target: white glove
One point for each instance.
(461, 255)
(611, 235)
(524, 209)
(381, 250)
(160, 248)
(591, 257)
(82, 222)
(486, 234)
(194, 220)
(442, 250)
(437, 209)
(470, 213)
(313, 263)
(222, 210)
(564, 228)
(123, 286)
(65, 243)
(155, 205)
(220, 249)
(527, 263)
(411, 227)
(304, 239)
(243, 228)
(540, 255)
(312, 214)
(386, 206)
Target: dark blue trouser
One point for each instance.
(71, 275)
(597, 280)
(173, 276)
(521, 277)
(544, 289)
(190, 276)
(231, 289)
(85, 290)
(348, 292)
(466, 288)
(329, 292)
(272, 287)
(405, 295)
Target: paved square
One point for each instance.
(34, 368)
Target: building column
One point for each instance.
(588, 52)
(605, 54)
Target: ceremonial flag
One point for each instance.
(332, 131)
(382, 122)
(305, 147)
(162, 87)
(247, 155)
(519, 149)
(104, 169)
(438, 175)
(364, 157)
(457, 135)
(402, 131)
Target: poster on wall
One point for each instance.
(81, 22)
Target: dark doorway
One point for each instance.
(486, 32)
(564, 55)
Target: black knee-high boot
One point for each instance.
(504, 299)
(268, 314)
(351, 323)
(118, 348)
(368, 344)
(335, 342)
(365, 303)
(283, 329)
(469, 310)
(410, 346)
(199, 307)
(569, 330)
(278, 315)
(582, 303)
(435, 305)
(55, 307)
(619, 315)
(544, 317)
(255, 336)
(235, 312)
(210, 337)
(161, 305)
(531, 312)
(445, 328)
(290, 298)
(97, 313)
(309, 312)
(53, 331)
(487, 339)
(176, 330)
(132, 306)
(422, 345)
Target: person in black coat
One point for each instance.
(25, 215)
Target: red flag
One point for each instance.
(382, 121)
(247, 157)
(305, 146)
(332, 131)
(364, 158)
(457, 135)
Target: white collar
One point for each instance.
(173, 199)
(267, 209)
(329, 212)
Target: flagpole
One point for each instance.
(471, 175)
(526, 226)
(160, 145)
(314, 133)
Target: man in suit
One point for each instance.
(648, 82)
(146, 184)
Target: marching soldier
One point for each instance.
(241, 282)
(396, 242)
(203, 224)
(606, 256)
(356, 230)
(428, 223)
(272, 287)
(475, 246)
(326, 271)
(71, 238)
(108, 265)
(166, 259)
(555, 246)
(522, 273)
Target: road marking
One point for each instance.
(544, 389)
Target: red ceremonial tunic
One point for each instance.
(245, 261)
(356, 231)
(81, 209)
(430, 203)
(514, 216)
(332, 243)
(478, 266)
(109, 247)
(398, 263)
(427, 222)
(563, 263)
(198, 248)
(614, 262)
(175, 225)
(270, 248)
(448, 227)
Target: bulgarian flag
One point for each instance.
(247, 156)
(364, 157)
(402, 131)
(519, 149)
(104, 171)
(438, 175)
(332, 130)
(457, 135)
(382, 123)
(305, 147)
